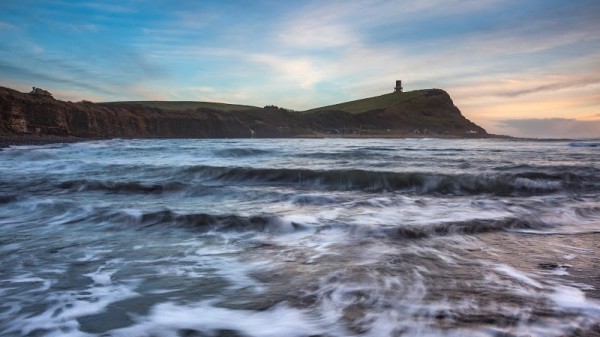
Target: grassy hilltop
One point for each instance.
(372, 103)
(188, 105)
(353, 107)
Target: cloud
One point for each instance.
(551, 87)
(301, 71)
(309, 36)
(531, 83)
(6, 26)
(360, 47)
(552, 127)
(335, 24)
(108, 8)
(36, 77)
(214, 94)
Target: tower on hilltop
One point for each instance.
(398, 87)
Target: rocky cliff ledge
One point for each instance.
(418, 113)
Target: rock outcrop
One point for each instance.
(40, 92)
(431, 113)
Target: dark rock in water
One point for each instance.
(550, 265)
(217, 333)
(105, 321)
(431, 112)
(5, 199)
(190, 333)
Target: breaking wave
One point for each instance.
(585, 144)
(463, 227)
(241, 152)
(529, 183)
(121, 187)
(423, 183)
(204, 222)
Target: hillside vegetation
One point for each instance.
(372, 103)
(188, 105)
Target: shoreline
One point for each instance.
(17, 140)
(7, 140)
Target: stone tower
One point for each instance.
(398, 87)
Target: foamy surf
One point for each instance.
(300, 238)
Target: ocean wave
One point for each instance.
(584, 144)
(8, 198)
(468, 227)
(272, 224)
(355, 154)
(588, 212)
(530, 183)
(157, 180)
(241, 152)
(121, 187)
(302, 199)
(197, 221)
(378, 148)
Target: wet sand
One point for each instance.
(572, 257)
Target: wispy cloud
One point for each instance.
(298, 70)
(552, 87)
(335, 24)
(108, 7)
(6, 26)
(344, 41)
(214, 94)
(552, 127)
(310, 37)
(37, 76)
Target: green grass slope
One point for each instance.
(372, 103)
(188, 105)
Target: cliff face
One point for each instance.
(33, 114)
(431, 113)
(426, 112)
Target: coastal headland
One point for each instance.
(37, 117)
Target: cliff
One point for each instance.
(425, 112)
(42, 115)
(420, 112)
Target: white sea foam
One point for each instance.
(573, 298)
(167, 318)
(28, 278)
(65, 307)
(517, 275)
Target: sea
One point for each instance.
(301, 237)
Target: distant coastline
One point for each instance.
(36, 118)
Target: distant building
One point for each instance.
(40, 92)
(398, 87)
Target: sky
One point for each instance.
(517, 67)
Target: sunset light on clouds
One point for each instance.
(522, 68)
